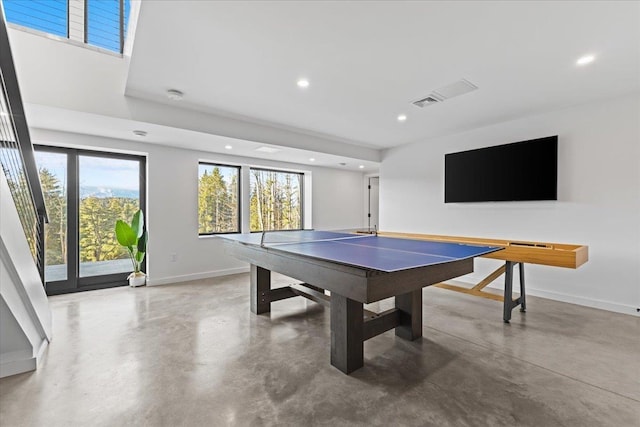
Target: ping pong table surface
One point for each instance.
(367, 251)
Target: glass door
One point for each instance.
(52, 168)
(109, 191)
(86, 193)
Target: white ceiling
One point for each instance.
(51, 118)
(367, 61)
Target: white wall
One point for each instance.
(172, 199)
(598, 206)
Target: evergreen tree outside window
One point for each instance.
(85, 193)
(276, 200)
(218, 199)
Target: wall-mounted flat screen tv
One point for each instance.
(526, 170)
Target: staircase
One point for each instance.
(25, 316)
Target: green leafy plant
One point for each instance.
(134, 238)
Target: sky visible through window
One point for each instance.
(228, 172)
(105, 177)
(51, 16)
(98, 176)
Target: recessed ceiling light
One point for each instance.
(140, 133)
(587, 59)
(361, 166)
(228, 147)
(303, 83)
(402, 118)
(175, 94)
(312, 159)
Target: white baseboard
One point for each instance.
(14, 367)
(16, 363)
(19, 362)
(571, 299)
(195, 276)
(587, 302)
(556, 296)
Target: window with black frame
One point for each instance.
(275, 200)
(218, 199)
(86, 192)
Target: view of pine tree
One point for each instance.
(21, 194)
(217, 199)
(97, 218)
(275, 200)
(55, 199)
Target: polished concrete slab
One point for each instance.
(193, 355)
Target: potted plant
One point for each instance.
(134, 238)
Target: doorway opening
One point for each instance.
(373, 188)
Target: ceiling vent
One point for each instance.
(429, 100)
(454, 89)
(446, 92)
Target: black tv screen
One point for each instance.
(526, 170)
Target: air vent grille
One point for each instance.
(446, 92)
(425, 102)
(454, 89)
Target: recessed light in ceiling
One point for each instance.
(140, 133)
(228, 147)
(587, 59)
(402, 118)
(269, 150)
(175, 94)
(303, 83)
(312, 159)
(361, 166)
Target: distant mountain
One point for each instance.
(105, 192)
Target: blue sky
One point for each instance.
(94, 171)
(50, 16)
(227, 172)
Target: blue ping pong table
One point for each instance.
(356, 269)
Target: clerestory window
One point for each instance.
(100, 23)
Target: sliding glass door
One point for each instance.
(86, 193)
(109, 190)
(53, 169)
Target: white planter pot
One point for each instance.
(136, 280)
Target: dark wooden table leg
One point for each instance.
(410, 306)
(508, 292)
(523, 298)
(347, 342)
(260, 287)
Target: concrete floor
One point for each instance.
(193, 355)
